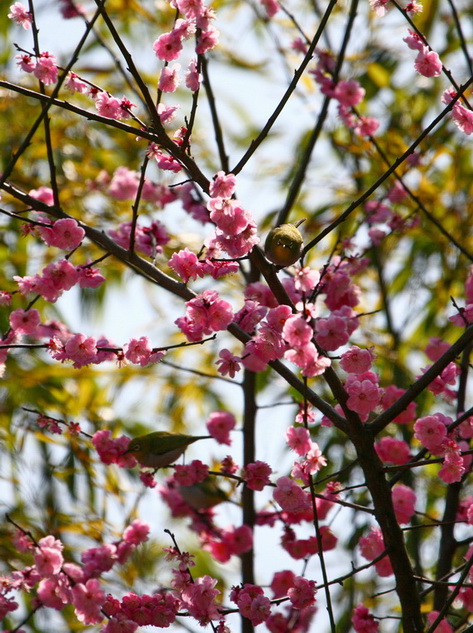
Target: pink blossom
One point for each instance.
(298, 438)
(124, 184)
(190, 474)
(89, 277)
(186, 264)
(366, 126)
(158, 610)
(64, 233)
(205, 314)
(169, 78)
(271, 6)
(81, 349)
(199, 599)
(281, 583)
(250, 315)
(256, 475)
(46, 70)
(48, 556)
(379, 7)
(137, 532)
(228, 215)
(55, 592)
(356, 360)
(223, 185)
(98, 560)
(229, 364)
(414, 41)
(43, 194)
(296, 331)
(7, 605)
(25, 321)
(107, 106)
(364, 396)
(428, 63)
(453, 467)
(193, 77)
(390, 396)
(138, 351)
(20, 15)
(372, 546)
(26, 63)
(392, 451)
(404, 499)
(252, 603)
(290, 496)
(463, 118)
(219, 425)
(302, 593)
(88, 599)
(112, 451)
(207, 40)
(306, 279)
(168, 46)
(363, 621)
(349, 92)
(431, 432)
(74, 84)
(332, 333)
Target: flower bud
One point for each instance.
(283, 245)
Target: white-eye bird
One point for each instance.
(283, 246)
(161, 448)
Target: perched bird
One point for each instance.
(283, 245)
(160, 449)
(203, 495)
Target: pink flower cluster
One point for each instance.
(363, 621)
(236, 231)
(148, 239)
(427, 62)
(186, 264)
(20, 15)
(111, 107)
(348, 93)
(219, 424)
(43, 68)
(372, 546)
(168, 47)
(124, 186)
(364, 393)
(57, 277)
(205, 314)
(59, 583)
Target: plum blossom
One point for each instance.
(205, 314)
(20, 15)
(219, 425)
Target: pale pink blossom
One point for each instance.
(356, 360)
(88, 599)
(392, 451)
(219, 424)
(256, 475)
(428, 63)
(46, 70)
(290, 496)
(199, 599)
(404, 499)
(168, 46)
(48, 556)
(169, 78)
(20, 15)
(193, 77)
(25, 321)
(228, 364)
(186, 264)
(74, 83)
(363, 621)
(108, 106)
(298, 438)
(64, 233)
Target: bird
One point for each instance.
(161, 448)
(283, 245)
(203, 495)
